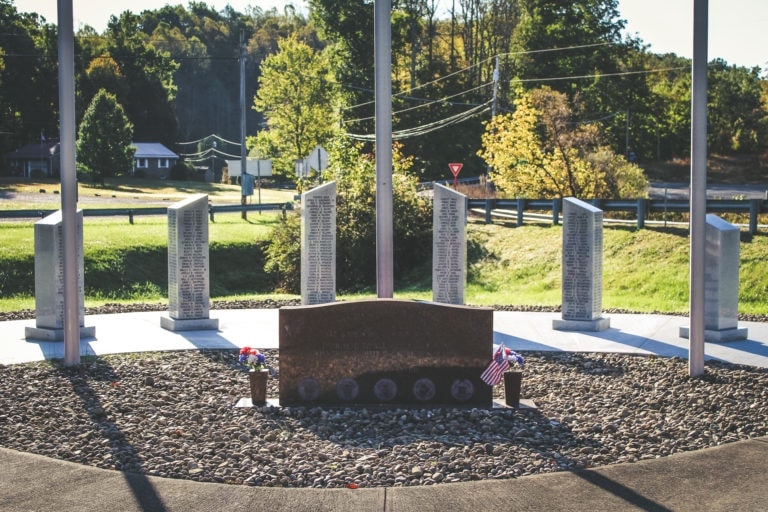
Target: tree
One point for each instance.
(105, 137)
(538, 152)
(28, 71)
(148, 74)
(299, 99)
(735, 112)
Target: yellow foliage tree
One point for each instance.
(538, 152)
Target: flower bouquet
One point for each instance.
(253, 359)
(258, 373)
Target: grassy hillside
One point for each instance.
(643, 270)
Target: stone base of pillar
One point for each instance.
(717, 336)
(191, 324)
(599, 324)
(49, 334)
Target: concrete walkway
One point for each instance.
(725, 478)
(141, 332)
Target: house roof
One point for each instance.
(34, 151)
(152, 150)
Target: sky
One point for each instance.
(738, 29)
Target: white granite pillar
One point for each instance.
(449, 245)
(721, 283)
(49, 280)
(188, 267)
(582, 268)
(318, 245)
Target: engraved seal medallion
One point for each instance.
(347, 389)
(385, 389)
(424, 389)
(309, 389)
(462, 389)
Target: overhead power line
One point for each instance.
(600, 75)
(427, 128)
(426, 102)
(207, 138)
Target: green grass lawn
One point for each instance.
(643, 270)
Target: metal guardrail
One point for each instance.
(161, 210)
(640, 207)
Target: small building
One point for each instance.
(153, 160)
(39, 160)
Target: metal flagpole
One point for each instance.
(68, 183)
(698, 207)
(383, 81)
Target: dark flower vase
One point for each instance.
(258, 382)
(513, 380)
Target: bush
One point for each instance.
(283, 254)
(181, 171)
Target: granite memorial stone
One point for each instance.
(188, 267)
(49, 280)
(449, 245)
(582, 268)
(385, 353)
(721, 283)
(318, 245)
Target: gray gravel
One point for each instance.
(172, 414)
(28, 314)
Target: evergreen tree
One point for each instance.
(105, 137)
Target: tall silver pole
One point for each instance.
(383, 80)
(68, 182)
(698, 187)
(243, 160)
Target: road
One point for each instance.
(679, 190)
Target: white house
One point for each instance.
(153, 160)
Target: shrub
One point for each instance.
(181, 171)
(283, 253)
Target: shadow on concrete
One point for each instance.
(748, 346)
(621, 491)
(640, 342)
(522, 344)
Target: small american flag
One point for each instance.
(495, 371)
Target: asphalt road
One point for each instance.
(679, 190)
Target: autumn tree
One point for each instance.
(538, 151)
(104, 138)
(299, 100)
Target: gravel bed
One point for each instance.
(172, 414)
(27, 314)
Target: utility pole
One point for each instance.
(243, 160)
(213, 157)
(626, 136)
(496, 73)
